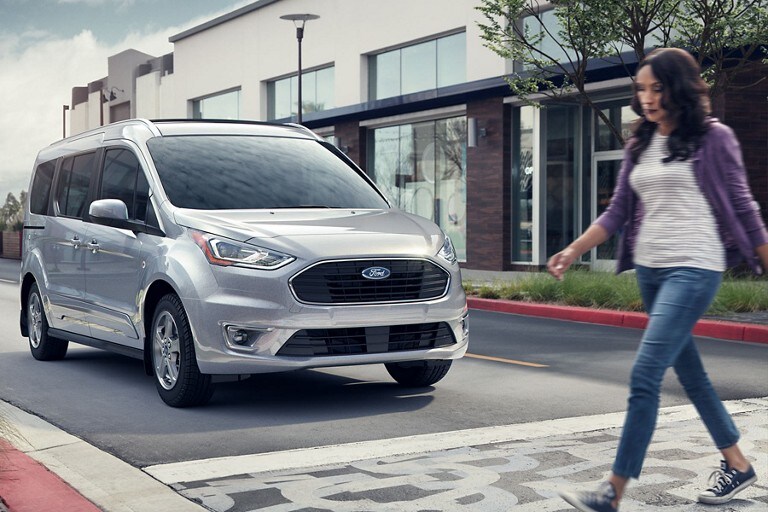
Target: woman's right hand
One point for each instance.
(559, 263)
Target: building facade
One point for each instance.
(417, 101)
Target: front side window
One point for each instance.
(41, 188)
(124, 179)
(230, 172)
(219, 106)
(429, 65)
(317, 90)
(74, 181)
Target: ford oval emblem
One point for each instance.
(376, 273)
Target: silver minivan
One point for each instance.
(231, 248)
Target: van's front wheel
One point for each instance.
(177, 376)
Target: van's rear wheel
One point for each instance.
(43, 347)
(177, 376)
(419, 373)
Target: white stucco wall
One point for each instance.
(94, 118)
(259, 46)
(148, 95)
(78, 119)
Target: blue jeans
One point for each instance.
(675, 299)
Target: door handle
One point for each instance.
(93, 246)
(76, 243)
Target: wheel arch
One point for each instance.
(26, 283)
(155, 292)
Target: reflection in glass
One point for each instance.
(419, 67)
(419, 63)
(451, 59)
(622, 116)
(560, 178)
(522, 185)
(546, 26)
(607, 173)
(317, 92)
(227, 172)
(221, 106)
(422, 169)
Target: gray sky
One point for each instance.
(49, 46)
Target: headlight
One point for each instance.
(224, 252)
(447, 252)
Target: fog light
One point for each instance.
(238, 336)
(242, 338)
(465, 326)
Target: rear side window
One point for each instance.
(41, 188)
(124, 179)
(74, 180)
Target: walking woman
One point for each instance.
(686, 213)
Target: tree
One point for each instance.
(552, 48)
(12, 212)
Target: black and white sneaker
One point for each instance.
(726, 483)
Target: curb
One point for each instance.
(734, 331)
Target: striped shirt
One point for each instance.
(678, 228)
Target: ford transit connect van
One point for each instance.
(231, 248)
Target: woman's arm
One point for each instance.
(762, 253)
(592, 237)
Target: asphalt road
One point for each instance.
(539, 369)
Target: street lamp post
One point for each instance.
(299, 20)
(64, 109)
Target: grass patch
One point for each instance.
(604, 290)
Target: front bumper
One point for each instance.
(262, 328)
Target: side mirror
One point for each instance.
(114, 213)
(109, 212)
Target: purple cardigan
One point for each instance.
(720, 173)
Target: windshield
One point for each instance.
(228, 172)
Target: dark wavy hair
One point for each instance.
(685, 99)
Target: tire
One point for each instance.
(43, 347)
(419, 373)
(177, 376)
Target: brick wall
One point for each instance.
(488, 187)
(351, 138)
(11, 244)
(746, 111)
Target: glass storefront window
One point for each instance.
(317, 91)
(607, 173)
(561, 185)
(421, 167)
(419, 67)
(219, 106)
(522, 184)
(622, 116)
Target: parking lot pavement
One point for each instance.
(523, 467)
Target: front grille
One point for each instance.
(342, 282)
(368, 340)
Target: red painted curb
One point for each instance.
(28, 486)
(711, 328)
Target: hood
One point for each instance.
(322, 233)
